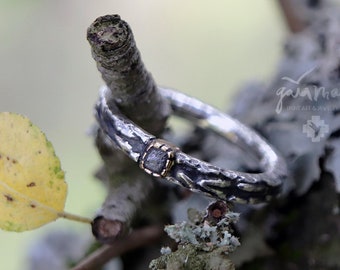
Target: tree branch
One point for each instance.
(293, 21)
(137, 238)
(119, 62)
(135, 93)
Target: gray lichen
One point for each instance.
(204, 241)
(188, 257)
(204, 235)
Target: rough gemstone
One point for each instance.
(155, 160)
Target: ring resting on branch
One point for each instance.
(162, 159)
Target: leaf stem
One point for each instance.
(73, 217)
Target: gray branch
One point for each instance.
(135, 93)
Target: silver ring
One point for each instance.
(160, 158)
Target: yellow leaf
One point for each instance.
(32, 186)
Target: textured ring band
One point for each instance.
(161, 159)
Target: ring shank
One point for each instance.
(207, 116)
(190, 172)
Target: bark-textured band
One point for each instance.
(162, 159)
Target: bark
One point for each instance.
(135, 92)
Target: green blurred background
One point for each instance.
(206, 49)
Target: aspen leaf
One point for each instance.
(32, 186)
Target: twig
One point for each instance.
(135, 93)
(137, 238)
(294, 22)
(119, 62)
